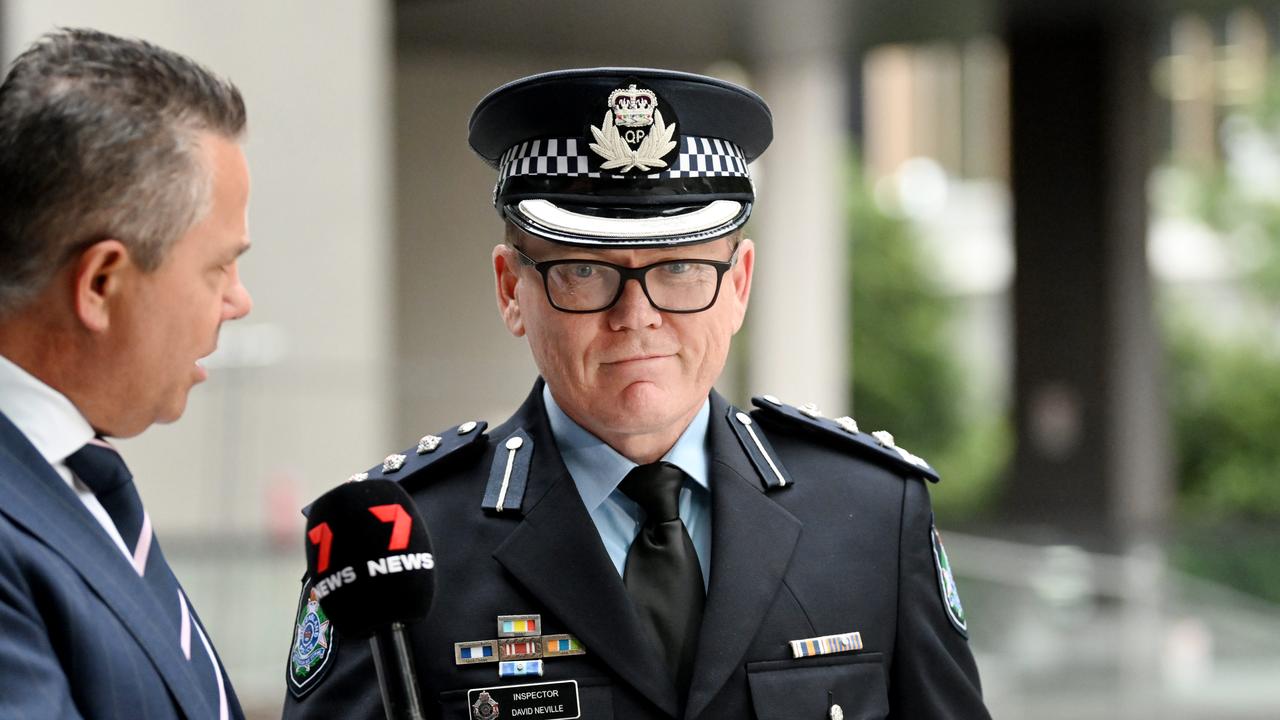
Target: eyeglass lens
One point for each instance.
(674, 286)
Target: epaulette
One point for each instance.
(430, 450)
(878, 446)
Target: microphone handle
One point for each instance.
(396, 677)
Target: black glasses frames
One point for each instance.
(625, 273)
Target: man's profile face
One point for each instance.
(631, 369)
(173, 314)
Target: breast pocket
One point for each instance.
(805, 689)
(595, 702)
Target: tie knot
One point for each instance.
(99, 467)
(655, 488)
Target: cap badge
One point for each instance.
(646, 138)
(632, 106)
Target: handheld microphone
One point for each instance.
(370, 560)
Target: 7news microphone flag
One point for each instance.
(369, 556)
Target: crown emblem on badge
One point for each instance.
(484, 708)
(637, 110)
(632, 106)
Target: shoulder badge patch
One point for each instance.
(877, 446)
(947, 583)
(313, 644)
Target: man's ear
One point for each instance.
(506, 279)
(98, 277)
(739, 280)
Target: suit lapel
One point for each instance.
(34, 497)
(752, 539)
(556, 554)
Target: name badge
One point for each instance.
(543, 701)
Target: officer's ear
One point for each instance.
(506, 276)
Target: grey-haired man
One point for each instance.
(123, 191)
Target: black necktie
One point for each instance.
(103, 471)
(662, 575)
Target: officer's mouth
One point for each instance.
(638, 360)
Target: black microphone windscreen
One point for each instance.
(369, 557)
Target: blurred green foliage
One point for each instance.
(1225, 404)
(906, 376)
(1223, 338)
(1226, 417)
(1223, 344)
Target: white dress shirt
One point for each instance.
(56, 428)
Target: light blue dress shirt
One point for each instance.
(597, 469)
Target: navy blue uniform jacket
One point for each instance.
(80, 635)
(846, 546)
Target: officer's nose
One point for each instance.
(633, 310)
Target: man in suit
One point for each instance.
(123, 192)
(628, 544)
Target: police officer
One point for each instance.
(629, 544)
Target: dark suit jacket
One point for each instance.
(845, 547)
(80, 634)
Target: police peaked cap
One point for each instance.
(622, 157)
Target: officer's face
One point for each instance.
(631, 371)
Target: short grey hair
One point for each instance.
(100, 138)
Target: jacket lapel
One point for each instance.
(752, 540)
(34, 497)
(556, 554)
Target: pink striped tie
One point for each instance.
(101, 468)
(103, 471)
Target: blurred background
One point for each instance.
(1037, 241)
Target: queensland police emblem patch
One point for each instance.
(633, 134)
(947, 584)
(313, 644)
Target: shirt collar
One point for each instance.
(597, 468)
(45, 416)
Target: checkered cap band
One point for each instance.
(569, 157)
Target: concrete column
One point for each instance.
(1092, 460)
(456, 360)
(798, 323)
